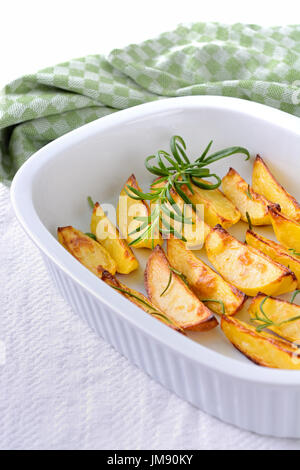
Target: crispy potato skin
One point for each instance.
(109, 237)
(218, 209)
(287, 230)
(195, 238)
(275, 251)
(278, 310)
(205, 282)
(178, 302)
(86, 250)
(134, 208)
(114, 282)
(265, 183)
(261, 348)
(245, 267)
(237, 190)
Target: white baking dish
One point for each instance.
(50, 190)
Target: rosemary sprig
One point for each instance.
(294, 252)
(91, 235)
(266, 322)
(175, 170)
(152, 310)
(249, 221)
(217, 301)
(90, 202)
(181, 275)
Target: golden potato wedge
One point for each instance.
(278, 311)
(138, 299)
(170, 294)
(195, 233)
(89, 252)
(205, 282)
(218, 209)
(275, 251)
(129, 208)
(109, 237)
(245, 199)
(245, 267)
(287, 230)
(262, 348)
(264, 183)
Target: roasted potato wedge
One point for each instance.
(275, 251)
(89, 252)
(278, 311)
(129, 208)
(287, 230)
(195, 233)
(264, 183)
(205, 282)
(138, 299)
(218, 209)
(262, 348)
(109, 237)
(245, 199)
(245, 267)
(170, 294)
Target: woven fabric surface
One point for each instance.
(63, 387)
(246, 61)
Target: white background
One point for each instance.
(35, 33)
(65, 387)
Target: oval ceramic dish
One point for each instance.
(50, 190)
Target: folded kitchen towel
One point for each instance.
(246, 61)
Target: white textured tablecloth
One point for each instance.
(62, 387)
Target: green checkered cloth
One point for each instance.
(246, 61)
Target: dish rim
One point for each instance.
(22, 202)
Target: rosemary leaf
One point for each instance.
(294, 252)
(91, 235)
(202, 157)
(248, 192)
(179, 274)
(249, 221)
(168, 284)
(217, 301)
(295, 295)
(90, 202)
(208, 186)
(226, 153)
